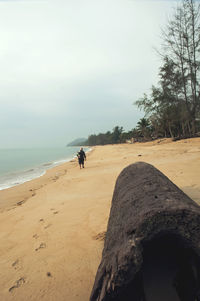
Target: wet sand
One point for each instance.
(53, 227)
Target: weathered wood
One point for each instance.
(149, 216)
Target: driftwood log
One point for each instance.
(152, 244)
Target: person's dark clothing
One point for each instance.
(81, 157)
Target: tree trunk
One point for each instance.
(183, 128)
(151, 219)
(189, 128)
(193, 127)
(170, 130)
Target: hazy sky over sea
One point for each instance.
(70, 68)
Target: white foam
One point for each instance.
(16, 178)
(11, 180)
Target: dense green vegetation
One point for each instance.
(173, 107)
(118, 135)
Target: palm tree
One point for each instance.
(143, 127)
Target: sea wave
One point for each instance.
(16, 178)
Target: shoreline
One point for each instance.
(18, 194)
(53, 227)
(18, 177)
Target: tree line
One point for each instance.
(110, 137)
(173, 106)
(140, 133)
(172, 109)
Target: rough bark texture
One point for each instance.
(145, 205)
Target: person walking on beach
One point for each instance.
(81, 157)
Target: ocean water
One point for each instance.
(21, 165)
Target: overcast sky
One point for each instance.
(70, 68)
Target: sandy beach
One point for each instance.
(53, 227)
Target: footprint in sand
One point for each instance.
(10, 208)
(56, 212)
(47, 226)
(41, 246)
(41, 220)
(16, 264)
(20, 203)
(33, 191)
(55, 178)
(100, 236)
(24, 200)
(17, 284)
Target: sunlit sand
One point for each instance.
(53, 228)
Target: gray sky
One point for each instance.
(70, 68)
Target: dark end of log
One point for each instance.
(152, 245)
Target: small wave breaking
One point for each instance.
(15, 178)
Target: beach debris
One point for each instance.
(139, 155)
(17, 284)
(35, 236)
(152, 243)
(41, 220)
(56, 212)
(41, 246)
(49, 274)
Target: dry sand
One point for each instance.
(52, 228)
